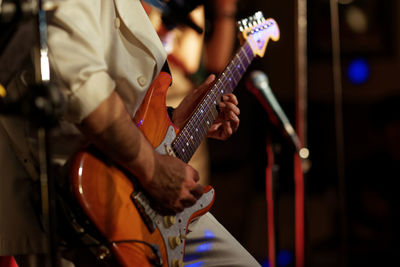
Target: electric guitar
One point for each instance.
(136, 234)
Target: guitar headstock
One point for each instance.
(257, 31)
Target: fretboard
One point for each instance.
(195, 130)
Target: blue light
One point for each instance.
(358, 71)
(191, 257)
(284, 258)
(204, 247)
(196, 264)
(209, 234)
(265, 263)
(207, 246)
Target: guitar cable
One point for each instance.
(104, 244)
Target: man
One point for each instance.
(104, 55)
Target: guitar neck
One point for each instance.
(195, 130)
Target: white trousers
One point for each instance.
(210, 244)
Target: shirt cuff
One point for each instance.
(85, 99)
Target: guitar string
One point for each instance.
(202, 117)
(191, 136)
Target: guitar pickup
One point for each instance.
(146, 212)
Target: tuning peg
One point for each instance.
(240, 25)
(252, 21)
(258, 15)
(243, 24)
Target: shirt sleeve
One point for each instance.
(76, 50)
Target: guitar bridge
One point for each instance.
(143, 206)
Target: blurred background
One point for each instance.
(364, 176)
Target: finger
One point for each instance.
(228, 106)
(162, 208)
(234, 121)
(221, 105)
(214, 127)
(206, 84)
(198, 191)
(230, 98)
(191, 175)
(190, 182)
(228, 131)
(188, 202)
(178, 206)
(210, 79)
(195, 174)
(215, 131)
(187, 198)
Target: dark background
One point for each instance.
(369, 236)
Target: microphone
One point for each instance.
(258, 84)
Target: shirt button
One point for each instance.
(142, 80)
(117, 23)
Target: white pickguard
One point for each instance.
(179, 228)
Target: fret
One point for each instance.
(240, 61)
(187, 142)
(209, 118)
(199, 119)
(236, 72)
(177, 151)
(246, 59)
(249, 51)
(230, 73)
(220, 84)
(180, 149)
(243, 52)
(188, 146)
(229, 80)
(196, 129)
(190, 149)
(214, 113)
(229, 85)
(238, 67)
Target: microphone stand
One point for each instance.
(43, 105)
(50, 116)
(270, 197)
(258, 85)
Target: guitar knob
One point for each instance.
(177, 263)
(174, 241)
(169, 221)
(183, 236)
